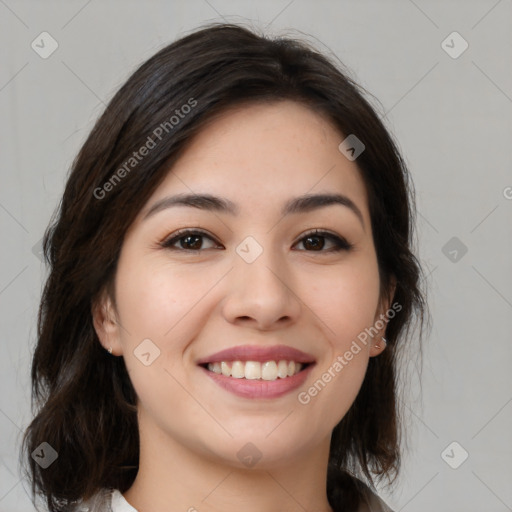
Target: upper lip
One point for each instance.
(259, 353)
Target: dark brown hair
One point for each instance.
(84, 400)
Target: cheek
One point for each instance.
(153, 299)
(168, 305)
(346, 300)
(155, 302)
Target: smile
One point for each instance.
(256, 370)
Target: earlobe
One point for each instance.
(378, 347)
(105, 323)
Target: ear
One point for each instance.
(105, 323)
(381, 319)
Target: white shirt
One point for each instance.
(119, 504)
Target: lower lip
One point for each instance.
(259, 388)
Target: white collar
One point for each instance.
(119, 503)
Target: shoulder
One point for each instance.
(372, 502)
(103, 500)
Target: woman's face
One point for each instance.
(205, 320)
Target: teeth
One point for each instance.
(269, 370)
(226, 370)
(238, 370)
(282, 369)
(254, 370)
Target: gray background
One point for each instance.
(452, 118)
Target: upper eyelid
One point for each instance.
(187, 231)
(176, 236)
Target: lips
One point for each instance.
(253, 371)
(258, 353)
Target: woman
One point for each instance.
(231, 282)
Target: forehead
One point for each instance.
(261, 155)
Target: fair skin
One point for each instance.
(194, 304)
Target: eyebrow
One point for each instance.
(208, 202)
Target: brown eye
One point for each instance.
(315, 242)
(189, 240)
(192, 241)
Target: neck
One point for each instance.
(172, 477)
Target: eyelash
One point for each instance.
(340, 244)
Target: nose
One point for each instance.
(261, 294)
